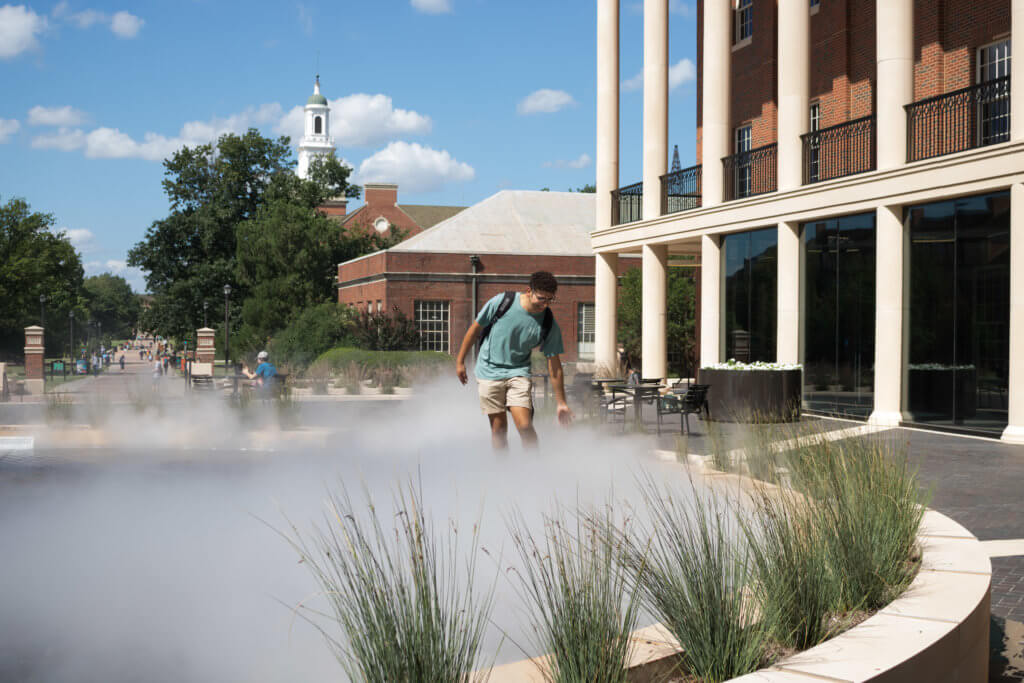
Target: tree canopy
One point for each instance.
(35, 261)
(112, 303)
(680, 324)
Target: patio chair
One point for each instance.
(695, 400)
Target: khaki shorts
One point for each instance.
(498, 394)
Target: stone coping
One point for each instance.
(937, 630)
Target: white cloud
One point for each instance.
(122, 24)
(55, 116)
(361, 120)
(125, 25)
(65, 139)
(432, 6)
(414, 167)
(8, 127)
(544, 101)
(80, 238)
(18, 29)
(582, 161)
(679, 73)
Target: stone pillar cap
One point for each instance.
(205, 329)
(33, 328)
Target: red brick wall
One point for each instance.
(947, 36)
(755, 66)
(382, 202)
(34, 365)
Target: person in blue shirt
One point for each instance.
(265, 372)
(503, 363)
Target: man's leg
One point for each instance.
(523, 418)
(499, 431)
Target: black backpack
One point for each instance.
(506, 303)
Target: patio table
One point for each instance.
(638, 392)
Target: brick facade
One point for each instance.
(399, 279)
(947, 36)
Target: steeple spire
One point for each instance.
(316, 85)
(676, 166)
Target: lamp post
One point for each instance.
(42, 310)
(71, 335)
(227, 330)
(206, 304)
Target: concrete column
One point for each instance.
(894, 53)
(1017, 92)
(34, 351)
(794, 89)
(890, 314)
(655, 311)
(1014, 431)
(204, 345)
(710, 299)
(716, 133)
(655, 104)
(607, 149)
(606, 282)
(789, 324)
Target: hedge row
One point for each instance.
(340, 358)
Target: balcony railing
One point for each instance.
(627, 204)
(751, 173)
(841, 150)
(963, 119)
(680, 191)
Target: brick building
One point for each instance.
(857, 203)
(381, 211)
(444, 275)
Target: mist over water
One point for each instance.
(148, 561)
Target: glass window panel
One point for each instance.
(585, 331)
(751, 265)
(432, 322)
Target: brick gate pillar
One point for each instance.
(34, 359)
(204, 345)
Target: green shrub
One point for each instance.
(314, 331)
(319, 374)
(341, 357)
(405, 604)
(385, 331)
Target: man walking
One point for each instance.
(511, 325)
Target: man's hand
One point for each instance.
(460, 372)
(564, 414)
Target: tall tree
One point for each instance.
(34, 261)
(190, 255)
(112, 303)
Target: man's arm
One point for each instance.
(558, 384)
(467, 343)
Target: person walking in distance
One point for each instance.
(511, 325)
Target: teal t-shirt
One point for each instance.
(506, 351)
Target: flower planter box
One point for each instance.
(753, 395)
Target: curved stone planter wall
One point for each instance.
(936, 631)
(749, 395)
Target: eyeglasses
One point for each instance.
(543, 299)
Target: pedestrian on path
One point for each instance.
(122, 362)
(157, 371)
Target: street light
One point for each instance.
(227, 330)
(71, 335)
(42, 310)
(206, 304)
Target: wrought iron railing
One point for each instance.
(840, 150)
(627, 203)
(680, 191)
(963, 119)
(751, 173)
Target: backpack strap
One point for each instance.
(545, 327)
(506, 303)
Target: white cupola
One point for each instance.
(316, 138)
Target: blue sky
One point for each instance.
(453, 99)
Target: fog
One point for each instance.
(151, 559)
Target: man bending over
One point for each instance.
(512, 326)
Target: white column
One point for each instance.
(605, 302)
(794, 89)
(1014, 431)
(715, 124)
(710, 299)
(655, 104)
(894, 54)
(1017, 93)
(789, 323)
(654, 313)
(607, 149)
(890, 313)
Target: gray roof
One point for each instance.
(514, 222)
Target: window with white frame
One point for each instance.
(380, 307)
(744, 20)
(994, 100)
(813, 164)
(585, 332)
(432, 323)
(742, 146)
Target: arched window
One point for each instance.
(318, 126)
